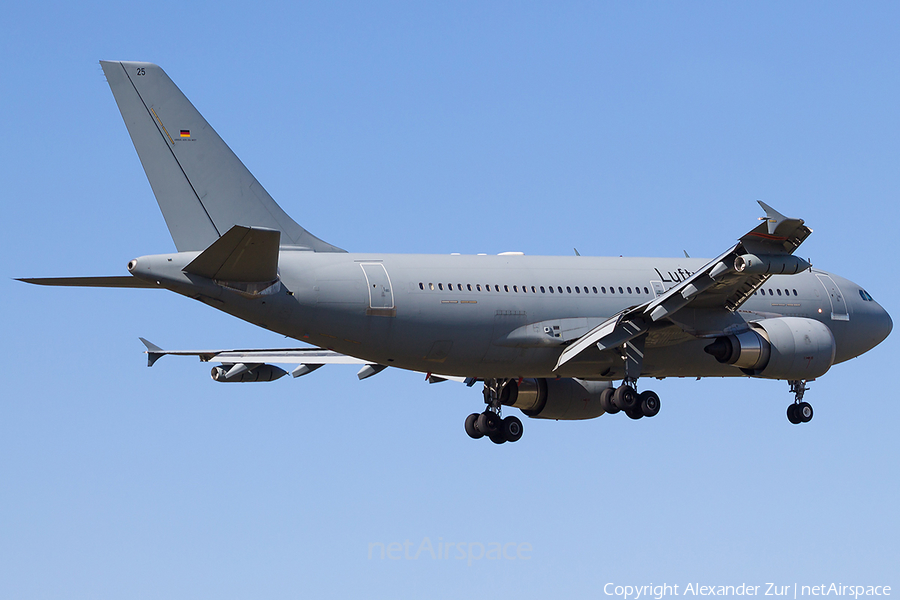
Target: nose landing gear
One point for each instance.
(799, 411)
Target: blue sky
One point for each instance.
(617, 128)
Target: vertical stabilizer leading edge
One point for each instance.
(202, 188)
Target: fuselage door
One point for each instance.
(379, 284)
(658, 288)
(838, 303)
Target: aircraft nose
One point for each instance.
(878, 323)
(884, 324)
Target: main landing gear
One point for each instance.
(625, 398)
(799, 411)
(490, 423)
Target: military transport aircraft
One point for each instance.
(547, 335)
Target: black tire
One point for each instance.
(804, 412)
(512, 429)
(634, 413)
(606, 401)
(624, 397)
(487, 423)
(470, 427)
(497, 437)
(792, 414)
(649, 403)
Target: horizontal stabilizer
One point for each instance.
(123, 281)
(243, 254)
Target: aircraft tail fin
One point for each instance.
(202, 187)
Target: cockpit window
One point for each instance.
(865, 296)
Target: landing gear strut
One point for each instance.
(625, 398)
(490, 423)
(799, 411)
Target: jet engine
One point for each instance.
(782, 348)
(561, 399)
(246, 373)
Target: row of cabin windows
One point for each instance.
(578, 290)
(774, 292)
(534, 289)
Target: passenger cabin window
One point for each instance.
(431, 286)
(421, 286)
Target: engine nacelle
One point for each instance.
(775, 264)
(250, 374)
(782, 348)
(562, 399)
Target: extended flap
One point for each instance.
(243, 254)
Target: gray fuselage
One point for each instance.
(508, 316)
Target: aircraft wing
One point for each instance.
(718, 289)
(308, 359)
